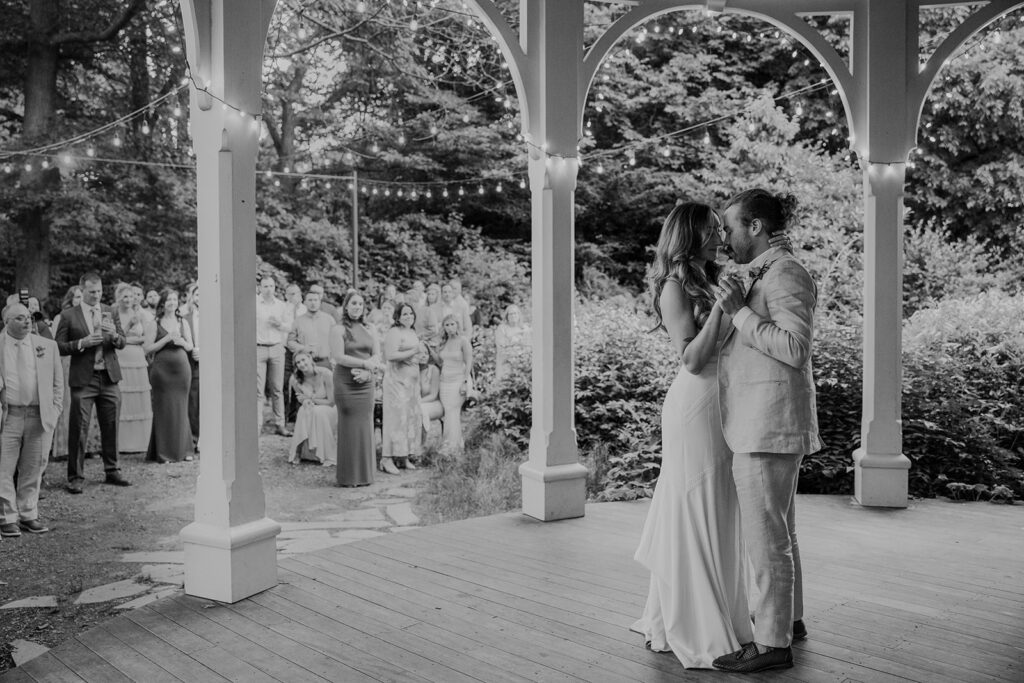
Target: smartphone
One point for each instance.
(23, 296)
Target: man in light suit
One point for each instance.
(31, 391)
(769, 417)
(90, 334)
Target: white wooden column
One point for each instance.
(554, 481)
(885, 70)
(230, 549)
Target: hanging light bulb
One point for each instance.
(444, 193)
(462, 192)
(498, 188)
(433, 129)
(522, 184)
(374, 192)
(465, 118)
(401, 138)
(375, 148)
(387, 192)
(116, 141)
(90, 151)
(480, 190)
(28, 167)
(8, 168)
(327, 185)
(600, 168)
(176, 112)
(429, 194)
(145, 128)
(707, 138)
(399, 193)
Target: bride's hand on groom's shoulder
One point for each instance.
(781, 239)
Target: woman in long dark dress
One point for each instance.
(169, 341)
(356, 354)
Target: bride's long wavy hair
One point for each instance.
(684, 235)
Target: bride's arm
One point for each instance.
(694, 346)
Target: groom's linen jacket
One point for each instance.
(766, 387)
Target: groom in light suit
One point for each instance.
(31, 392)
(769, 417)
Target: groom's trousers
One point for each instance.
(766, 488)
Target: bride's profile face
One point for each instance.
(709, 250)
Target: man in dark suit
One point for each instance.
(90, 334)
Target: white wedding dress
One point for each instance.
(691, 543)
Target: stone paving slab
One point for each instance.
(34, 601)
(159, 556)
(403, 515)
(377, 502)
(25, 650)
(403, 492)
(111, 591)
(147, 599)
(359, 514)
(164, 573)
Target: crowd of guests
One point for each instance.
(362, 383)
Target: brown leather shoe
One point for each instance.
(748, 660)
(799, 630)
(9, 530)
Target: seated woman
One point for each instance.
(317, 420)
(431, 409)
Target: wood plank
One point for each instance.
(487, 631)
(203, 651)
(16, 675)
(401, 647)
(262, 655)
(47, 667)
(87, 664)
(179, 663)
(132, 664)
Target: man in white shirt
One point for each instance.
(312, 332)
(273, 323)
(32, 394)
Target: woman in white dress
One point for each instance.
(316, 422)
(697, 602)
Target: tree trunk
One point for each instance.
(33, 269)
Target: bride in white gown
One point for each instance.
(697, 604)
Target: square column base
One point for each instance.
(228, 564)
(880, 480)
(554, 492)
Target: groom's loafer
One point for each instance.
(748, 660)
(799, 630)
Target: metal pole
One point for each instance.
(355, 229)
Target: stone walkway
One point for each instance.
(372, 511)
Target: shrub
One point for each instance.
(963, 375)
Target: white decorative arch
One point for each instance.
(788, 21)
(977, 22)
(513, 49)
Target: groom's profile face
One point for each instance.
(736, 236)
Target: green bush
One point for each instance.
(963, 418)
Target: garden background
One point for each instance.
(96, 168)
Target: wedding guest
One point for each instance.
(31, 393)
(436, 311)
(382, 319)
(510, 337)
(293, 299)
(416, 294)
(168, 342)
(402, 422)
(461, 306)
(325, 306)
(317, 420)
(90, 336)
(356, 354)
(311, 332)
(430, 391)
(40, 325)
(149, 303)
(192, 319)
(136, 416)
(72, 298)
(456, 355)
(273, 323)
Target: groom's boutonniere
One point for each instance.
(40, 350)
(759, 273)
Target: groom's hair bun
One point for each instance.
(776, 211)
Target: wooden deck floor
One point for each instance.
(934, 593)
